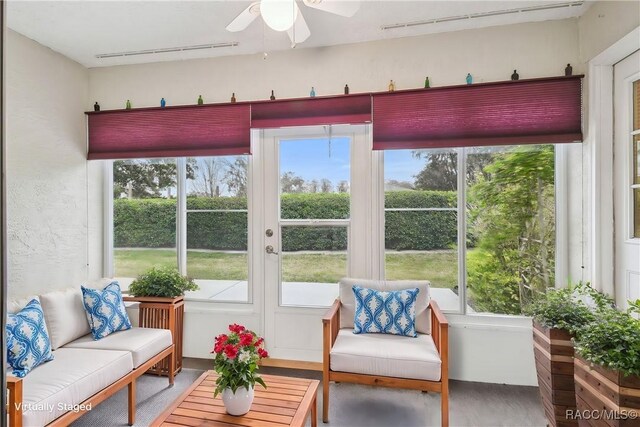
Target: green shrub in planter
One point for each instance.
(563, 308)
(558, 316)
(162, 282)
(612, 340)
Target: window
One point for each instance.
(421, 229)
(506, 203)
(144, 215)
(213, 242)
(217, 227)
(314, 218)
(510, 196)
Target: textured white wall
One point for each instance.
(46, 168)
(535, 49)
(604, 23)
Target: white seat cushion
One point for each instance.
(71, 377)
(143, 343)
(348, 300)
(65, 316)
(386, 355)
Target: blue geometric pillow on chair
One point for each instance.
(390, 312)
(28, 343)
(105, 310)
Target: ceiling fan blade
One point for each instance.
(346, 8)
(245, 18)
(300, 30)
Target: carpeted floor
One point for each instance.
(153, 396)
(471, 404)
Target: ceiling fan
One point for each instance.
(284, 15)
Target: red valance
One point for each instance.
(535, 111)
(352, 109)
(206, 130)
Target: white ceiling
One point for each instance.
(83, 29)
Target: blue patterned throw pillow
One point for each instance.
(28, 343)
(390, 312)
(105, 310)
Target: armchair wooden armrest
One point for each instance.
(14, 385)
(439, 329)
(440, 335)
(331, 325)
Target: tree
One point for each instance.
(440, 171)
(208, 176)
(143, 178)
(343, 187)
(291, 183)
(512, 213)
(326, 186)
(312, 186)
(394, 185)
(236, 176)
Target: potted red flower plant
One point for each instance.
(236, 362)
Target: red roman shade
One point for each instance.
(352, 109)
(206, 130)
(536, 111)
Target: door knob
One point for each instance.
(269, 250)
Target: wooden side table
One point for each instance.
(163, 313)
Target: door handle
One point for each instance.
(269, 250)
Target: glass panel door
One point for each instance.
(314, 219)
(307, 227)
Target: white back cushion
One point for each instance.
(15, 306)
(65, 316)
(348, 308)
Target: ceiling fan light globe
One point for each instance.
(279, 15)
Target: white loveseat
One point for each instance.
(83, 372)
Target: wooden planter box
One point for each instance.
(553, 352)
(608, 394)
(163, 313)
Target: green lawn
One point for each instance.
(440, 267)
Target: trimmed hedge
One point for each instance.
(151, 223)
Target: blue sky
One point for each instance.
(310, 159)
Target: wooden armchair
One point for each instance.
(400, 373)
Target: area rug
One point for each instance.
(153, 395)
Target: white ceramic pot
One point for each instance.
(238, 403)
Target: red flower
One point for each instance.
(259, 342)
(236, 328)
(263, 353)
(221, 340)
(246, 338)
(231, 351)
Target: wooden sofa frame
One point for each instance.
(14, 385)
(440, 335)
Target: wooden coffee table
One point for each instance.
(286, 401)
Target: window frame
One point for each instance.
(373, 184)
(633, 235)
(561, 231)
(181, 227)
(293, 134)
